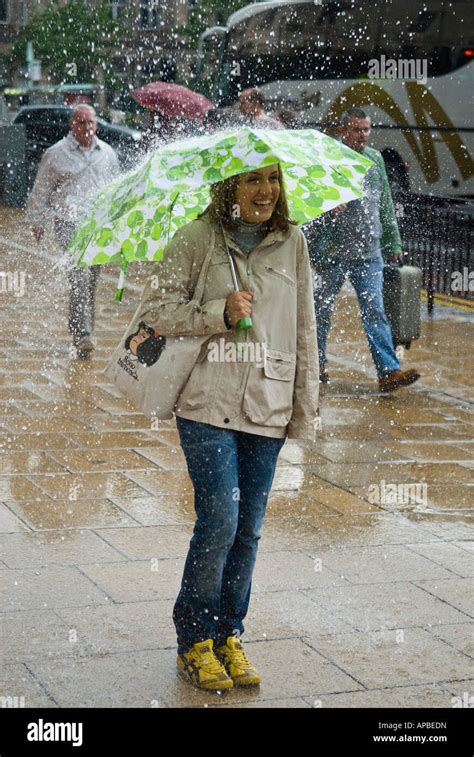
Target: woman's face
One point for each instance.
(257, 194)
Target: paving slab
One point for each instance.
(156, 578)
(61, 547)
(457, 635)
(35, 635)
(152, 510)
(455, 591)
(276, 571)
(132, 626)
(379, 564)
(426, 696)
(380, 606)
(21, 689)
(450, 556)
(44, 514)
(382, 658)
(152, 542)
(290, 614)
(9, 523)
(50, 587)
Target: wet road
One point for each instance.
(362, 593)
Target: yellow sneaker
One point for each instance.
(237, 665)
(200, 665)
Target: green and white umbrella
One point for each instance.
(134, 217)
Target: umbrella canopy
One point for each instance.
(134, 217)
(172, 100)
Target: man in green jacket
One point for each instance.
(353, 240)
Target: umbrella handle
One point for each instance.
(121, 282)
(245, 323)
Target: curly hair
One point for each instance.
(221, 208)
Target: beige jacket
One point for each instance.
(271, 387)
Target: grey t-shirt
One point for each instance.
(249, 235)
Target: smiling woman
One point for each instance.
(252, 197)
(257, 194)
(234, 415)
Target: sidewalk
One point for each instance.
(361, 594)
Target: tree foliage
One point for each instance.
(71, 40)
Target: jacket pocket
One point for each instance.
(268, 396)
(279, 365)
(282, 275)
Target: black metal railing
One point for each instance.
(438, 237)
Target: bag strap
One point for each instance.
(201, 282)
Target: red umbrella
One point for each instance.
(172, 100)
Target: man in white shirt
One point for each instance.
(69, 176)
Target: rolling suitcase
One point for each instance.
(401, 296)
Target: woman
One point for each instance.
(233, 417)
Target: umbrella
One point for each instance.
(172, 100)
(133, 218)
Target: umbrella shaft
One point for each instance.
(233, 273)
(231, 263)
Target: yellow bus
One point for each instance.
(408, 63)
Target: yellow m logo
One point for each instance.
(422, 103)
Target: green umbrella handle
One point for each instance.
(245, 323)
(121, 282)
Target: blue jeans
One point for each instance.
(232, 473)
(367, 280)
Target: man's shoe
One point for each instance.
(201, 666)
(395, 379)
(84, 346)
(323, 377)
(234, 659)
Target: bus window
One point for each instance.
(307, 41)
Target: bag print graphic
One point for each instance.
(145, 344)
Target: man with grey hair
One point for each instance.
(352, 241)
(69, 176)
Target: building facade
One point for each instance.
(153, 47)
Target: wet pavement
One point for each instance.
(362, 594)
